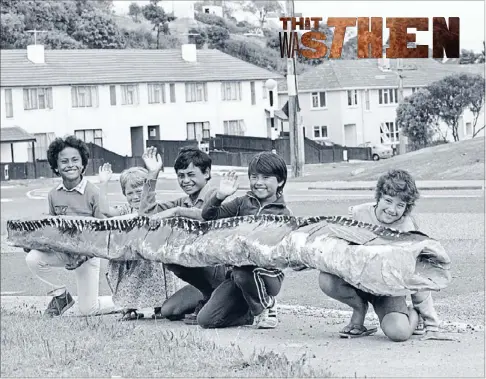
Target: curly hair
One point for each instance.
(134, 176)
(59, 144)
(270, 164)
(398, 183)
(198, 158)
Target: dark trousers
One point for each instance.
(205, 279)
(245, 293)
(258, 286)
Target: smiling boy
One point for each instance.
(395, 194)
(193, 169)
(74, 196)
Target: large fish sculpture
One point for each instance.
(372, 258)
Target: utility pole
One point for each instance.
(403, 139)
(295, 130)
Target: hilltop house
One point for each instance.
(350, 102)
(120, 98)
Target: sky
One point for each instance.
(471, 14)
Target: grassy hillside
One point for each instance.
(463, 160)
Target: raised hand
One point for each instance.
(228, 185)
(152, 160)
(104, 173)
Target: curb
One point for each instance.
(372, 188)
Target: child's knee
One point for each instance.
(329, 283)
(242, 276)
(34, 260)
(396, 327)
(206, 320)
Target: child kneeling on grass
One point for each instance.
(248, 294)
(395, 195)
(75, 196)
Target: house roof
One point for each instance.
(15, 134)
(108, 66)
(365, 73)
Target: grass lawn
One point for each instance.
(32, 346)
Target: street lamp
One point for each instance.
(271, 84)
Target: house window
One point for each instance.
(367, 99)
(198, 130)
(130, 94)
(414, 89)
(113, 95)
(231, 91)
(469, 131)
(253, 96)
(8, 103)
(172, 93)
(234, 127)
(90, 135)
(264, 90)
(389, 132)
(388, 96)
(156, 93)
(84, 96)
(320, 131)
(318, 100)
(352, 98)
(38, 98)
(43, 140)
(196, 92)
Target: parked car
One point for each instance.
(378, 150)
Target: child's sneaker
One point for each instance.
(59, 305)
(268, 318)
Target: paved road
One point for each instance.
(456, 218)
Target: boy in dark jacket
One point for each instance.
(250, 291)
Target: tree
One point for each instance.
(262, 8)
(416, 119)
(467, 57)
(217, 37)
(96, 30)
(134, 11)
(476, 88)
(200, 38)
(158, 18)
(60, 40)
(12, 31)
(450, 97)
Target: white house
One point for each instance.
(350, 102)
(213, 9)
(121, 98)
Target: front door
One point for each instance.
(136, 134)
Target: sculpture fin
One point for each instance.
(353, 234)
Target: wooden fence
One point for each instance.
(224, 151)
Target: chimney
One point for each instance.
(189, 52)
(35, 53)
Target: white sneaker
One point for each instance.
(268, 318)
